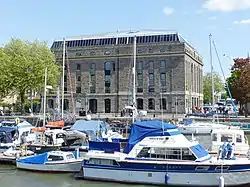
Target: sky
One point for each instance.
(227, 20)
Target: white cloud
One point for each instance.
(226, 5)
(212, 18)
(168, 11)
(243, 22)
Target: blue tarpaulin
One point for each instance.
(37, 159)
(90, 126)
(199, 151)
(142, 129)
(104, 146)
(6, 134)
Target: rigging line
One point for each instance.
(229, 92)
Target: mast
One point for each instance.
(63, 74)
(212, 72)
(44, 102)
(133, 71)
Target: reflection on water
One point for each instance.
(10, 177)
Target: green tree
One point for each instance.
(26, 66)
(207, 86)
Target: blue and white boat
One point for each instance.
(157, 153)
(53, 161)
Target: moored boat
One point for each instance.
(53, 161)
(157, 153)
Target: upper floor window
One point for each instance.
(78, 67)
(107, 68)
(163, 64)
(151, 65)
(92, 68)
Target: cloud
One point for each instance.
(242, 22)
(168, 11)
(212, 18)
(226, 5)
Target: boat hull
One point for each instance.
(166, 178)
(71, 167)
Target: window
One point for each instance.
(92, 78)
(163, 64)
(140, 66)
(55, 158)
(107, 103)
(151, 104)
(226, 137)
(151, 89)
(163, 104)
(151, 79)
(113, 66)
(163, 79)
(92, 89)
(107, 71)
(92, 68)
(214, 137)
(238, 138)
(93, 105)
(151, 65)
(78, 89)
(70, 156)
(139, 104)
(97, 161)
(79, 78)
(78, 67)
(139, 90)
(139, 80)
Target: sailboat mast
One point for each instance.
(212, 72)
(133, 71)
(45, 96)
(63, 74)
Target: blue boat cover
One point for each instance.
(37, 159)
(199, 151)
(90, 126)
(188, 121)
(104, 146)
(142, 129)
(6, 134)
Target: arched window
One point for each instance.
(140, 104)
(151, 104)
(107, 103)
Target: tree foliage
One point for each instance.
(22, 67)
(207, 86)
(238, 82)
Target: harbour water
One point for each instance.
(11, 177)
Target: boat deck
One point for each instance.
(7, 159)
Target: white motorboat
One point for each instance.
(219, 136)
(53, 161)
(157, 153)
(202, 128)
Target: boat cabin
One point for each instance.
(7, 136)
(236, 136)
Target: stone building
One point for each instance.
(168, 72)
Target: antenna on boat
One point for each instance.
(230, 95)
(212, 71)
(133, 72)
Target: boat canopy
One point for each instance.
(104, 146)
(142, 129)
(90, 126)
(38, 159)
(6, 134)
